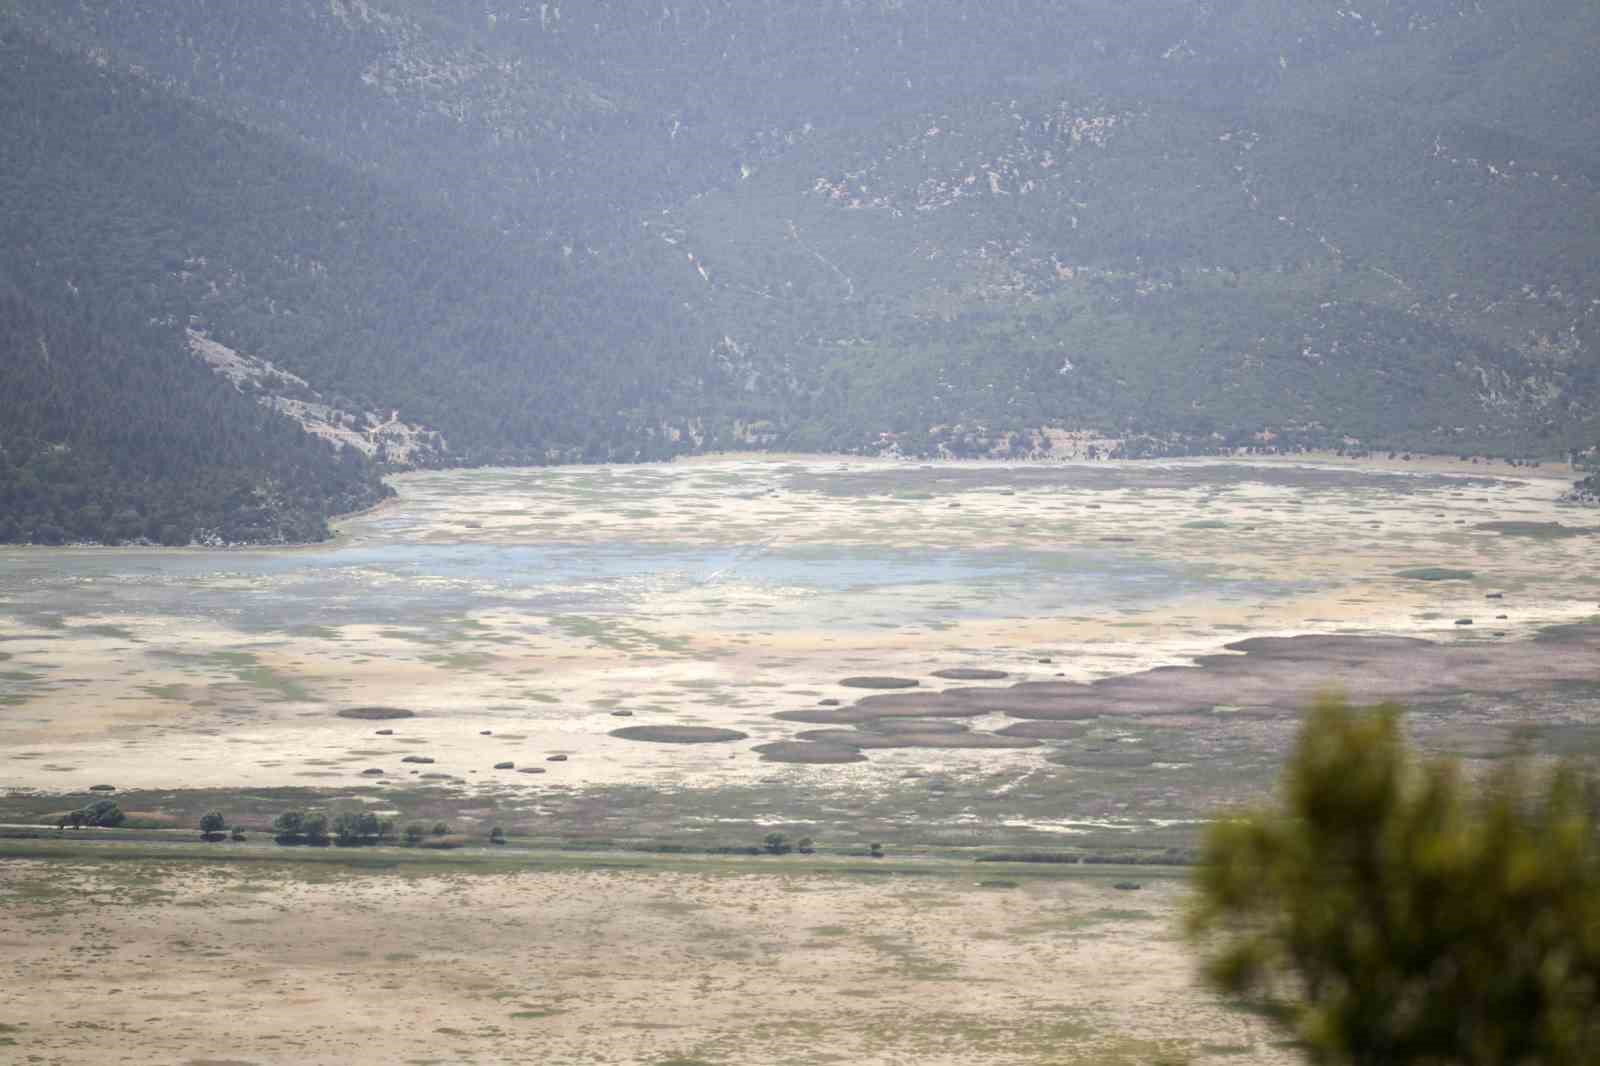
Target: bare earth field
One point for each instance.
(255, 964)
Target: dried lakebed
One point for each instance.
(981, 652)
(219, 964)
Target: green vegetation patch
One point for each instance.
(376, 714)
(247, 668)
(1434, 573)
(460, 660)
(805, 752)
(1537, 530)
(618, 636)
(106, 630)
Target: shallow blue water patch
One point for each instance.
(416, 584)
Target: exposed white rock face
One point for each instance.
(375, 434)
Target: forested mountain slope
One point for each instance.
(617, 230)
(1326, 245)
(120, 437)
(150, 204)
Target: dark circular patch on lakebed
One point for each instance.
(807, 752)
(963, 673)
(376, 714)
(880, 682)
(678, 734)
(1257, 676)
(1435, 573)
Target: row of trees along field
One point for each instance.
(352, 828)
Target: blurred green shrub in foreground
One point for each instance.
(1392, 912)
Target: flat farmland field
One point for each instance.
(189, 962)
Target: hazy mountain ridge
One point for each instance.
(588, 230)
(150, 204)
(1335, 256)
(442, 94)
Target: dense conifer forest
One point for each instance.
(121, 437)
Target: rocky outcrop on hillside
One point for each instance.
(383, 438)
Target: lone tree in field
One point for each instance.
(358, 827)
(315, 828)
(301, 827)
(212, 824)
(1392, 914)
(347, 828)
(289, 826)
(102, 813)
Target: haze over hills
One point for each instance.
(452, 232)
